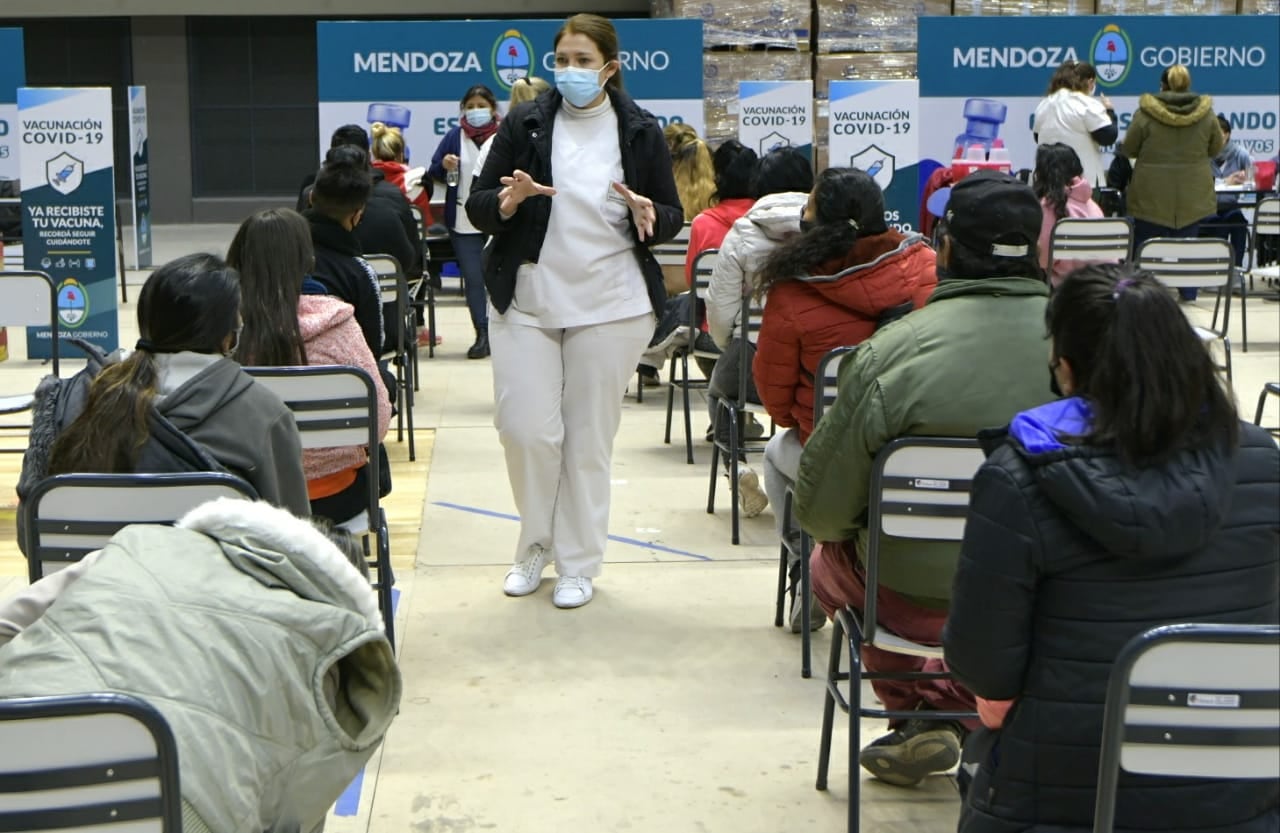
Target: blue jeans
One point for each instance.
(1144, 231)
(468, 249)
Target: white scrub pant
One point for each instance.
(781, 468)
(559, 402)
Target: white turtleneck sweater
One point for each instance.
(586, 272)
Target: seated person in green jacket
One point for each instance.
(969, 359)
(257, 638)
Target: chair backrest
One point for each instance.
(704, 264)
(752, 317)
(334, 406)
(1185, 263)
(919, 490)
(88, 763)
(68, 516)
(672, 253)
(1091, 238)
(1266, 219)
(826, 380)
(420, 219)
(30, 299)
(393, 288)
(1191, 701)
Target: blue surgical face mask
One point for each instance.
(478, 117)
(579, 86)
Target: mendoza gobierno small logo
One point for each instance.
(1112, 53)
(512, 58)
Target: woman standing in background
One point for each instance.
(457, 153)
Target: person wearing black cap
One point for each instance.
(968, 360)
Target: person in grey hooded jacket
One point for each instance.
(257, 639)
(177, 377)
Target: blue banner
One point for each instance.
(68, 208)
(13, 74)
(981, 78)
(412, 73)
(139, 163)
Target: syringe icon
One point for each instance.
(876, 167)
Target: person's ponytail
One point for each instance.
(798, 255)
(1151, 383)
(113, 427)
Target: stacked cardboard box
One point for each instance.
(873, 25)
(1023, 8)
(877, 66)
(1169, 7)
(784, 24)
(721, 72)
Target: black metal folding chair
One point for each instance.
(824, 395)
(703, 266)
(87, 763)
(919, 491)
(68, 516)
(1191, 701)
(337, 406)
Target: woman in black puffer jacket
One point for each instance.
(1139, 500)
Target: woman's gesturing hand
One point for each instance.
(517, 188)
(643, 213)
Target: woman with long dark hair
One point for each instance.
(189, 322)
(828, 287)
(453, 163)
(291, 320)
(1138, 500)
(574, 290)
(1063, 192)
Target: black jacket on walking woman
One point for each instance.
(1067, 555)
(523, 142)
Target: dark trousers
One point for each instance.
(1228, 224)
(723, 383)
(468, 249)
(1144, 231)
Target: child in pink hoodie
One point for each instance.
(1063, 192)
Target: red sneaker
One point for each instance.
(424, 338)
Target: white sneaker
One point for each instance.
(571, 591)
(751, 498)
(526, 574)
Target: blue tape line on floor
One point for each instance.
(349, 802)
(634, 542)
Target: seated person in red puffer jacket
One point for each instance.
(829, 287)
(1063, 191)
(273, 252)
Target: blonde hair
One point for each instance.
(694, 171)
(387, 145)
(527, 89)
(1176, 79)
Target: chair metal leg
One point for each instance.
(715, 464)
(1244, 316)
(783, 574)
(386, 578)
(399, 397)
(431, 322)
(806, 595)
(409, 378)
(688, 414)
(733, 474)
(829, 703)
(1226, 345)
(1262, 404)
(855, 727)
(671, 399)
(639, 386)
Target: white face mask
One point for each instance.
(479, 116)
(579, 86)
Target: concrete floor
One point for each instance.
(668, 704)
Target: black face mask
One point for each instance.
(1054, 387)
(807, 226)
